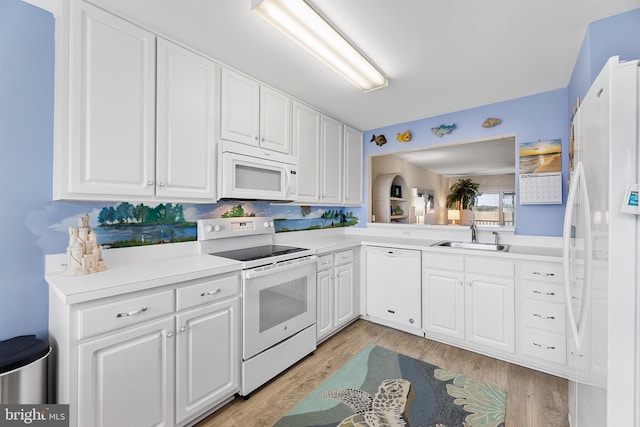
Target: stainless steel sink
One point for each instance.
(476, 246)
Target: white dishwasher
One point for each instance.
(394, 290)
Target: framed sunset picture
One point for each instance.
(540, 156)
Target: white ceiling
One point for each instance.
(489, 157)
(440, 56)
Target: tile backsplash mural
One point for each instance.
(135, 224)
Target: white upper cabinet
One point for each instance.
(254, 114)
(186, 138)
(353, 170)
(107, 146)
(331, 161)
(110, 146)
(306, 136)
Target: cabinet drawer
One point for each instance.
(542, 272)
(344, 257)
(490, 266)
(123, 313)
(212, 289)
(544, 345)
(547, 292)
(442, 262)
(325, 262)
(544, 316)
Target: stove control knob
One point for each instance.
(266, 224)
(209, 228)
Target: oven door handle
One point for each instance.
(255, 273)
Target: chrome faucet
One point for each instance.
(495, 233)
(474, 233)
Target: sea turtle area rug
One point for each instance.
(382, 388)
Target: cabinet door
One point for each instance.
(112, 106)
(275, 121)
(126, 379)
(186, 139)
(324, 321)
(353, 155)
(443, 303)
(306, 137)
(207, 357)
(344, 295)
(490, 319)
(331, 161)
(239, 108)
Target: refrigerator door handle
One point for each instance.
(578, 184)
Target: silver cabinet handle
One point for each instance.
(545, 347)
(574, 354)
(183, 328)
(325, 263)
(542, 316)
(132, 313)
(170, 334)
(543, 274)
(149, 183)
(213, 292)
(544, 293)
(460, 282)
(468, 283)
(162, 184)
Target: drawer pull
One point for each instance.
(213, 292)
(543, 274)
(132, 313)
(546, 347)
(325, 262)
(574, 354)
(544, 293)
(542, 316)
(391, 311)
(183, 328)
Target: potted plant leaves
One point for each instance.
(462, 195)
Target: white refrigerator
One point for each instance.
(601, 234)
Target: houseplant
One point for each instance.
(462, 194)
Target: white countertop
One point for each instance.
(137, 269)
(130, 275)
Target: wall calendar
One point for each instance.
(540, 172)
(541, 188)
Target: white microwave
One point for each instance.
(251, 173)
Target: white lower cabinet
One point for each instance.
(336, 287)
(541, 322)
(127, 378)
(469, 300)
(130, 360)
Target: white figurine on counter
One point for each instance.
(84, 256)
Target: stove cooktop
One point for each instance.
(258, 252)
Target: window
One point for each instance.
(495, 208)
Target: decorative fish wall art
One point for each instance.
(443, 129)
(491, 122)
(404, 136)
(380, 140)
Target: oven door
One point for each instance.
(277, 301)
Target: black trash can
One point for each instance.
(23, 370)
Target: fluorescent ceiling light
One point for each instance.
(299, 21)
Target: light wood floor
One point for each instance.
(534, 399)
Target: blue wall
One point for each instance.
(26, 138)
(617, 35)
(532, 118)
(34, 225)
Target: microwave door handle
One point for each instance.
(256, 273)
